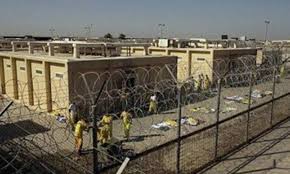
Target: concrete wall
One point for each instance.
(8, 77)
(22, 81)
(193, 62)
(87, 77)
(135, 51)
(182, 70)
(188, 65)
(220, 57)
(201, 63)
(59, 86)
(38, 82)
(35, 83)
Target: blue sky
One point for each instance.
(183, 18)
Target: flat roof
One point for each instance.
(205, 49)
(64, 58)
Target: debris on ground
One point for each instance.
(61, 118)
(162, 126)
(234, 98)
(205, 110)
(247, 101)
(268, 92)
(169, 123)
(228, 109)
(192, 121)
(257, 94)
(260, 94)
(239, 99)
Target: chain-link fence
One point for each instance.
(176, 126)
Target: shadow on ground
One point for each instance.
(20, 129)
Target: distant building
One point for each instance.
(27, 37)
(194, 61)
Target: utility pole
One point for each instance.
(179, 95)
(267, 22)
(88, 30)
(52, 30)
(161, 27)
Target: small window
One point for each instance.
(22, 68)
(200, 59)
(8, 65)
(38, 71)
(59, 75)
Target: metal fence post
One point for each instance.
(94, 132)
(178, 130)
(217, 117)
(6, 108)
(273, 95)
(95, 142)
(249, 105)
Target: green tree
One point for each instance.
(108, 36)
(122, 36)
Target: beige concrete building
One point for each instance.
(194, 61)
(48, 82)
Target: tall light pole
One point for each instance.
(161, 29)
(52, 30)
(267, 22)
(88, 30)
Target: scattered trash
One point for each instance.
(183, 120)
(228, 109)
(239, 99)
(268, 92)
(257, 94)
(203, 110)
(162, 126)
(61, 119)
(234, 98)
(169, 123)
(246, 101)
(165, 128)
(191, 121)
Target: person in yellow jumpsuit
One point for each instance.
(153, 105)
(107, 129)
(199, 83)
(80, 126)
(207, 83)
(127, 122)
(202, 82)
(282, 71)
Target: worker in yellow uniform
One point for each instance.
(207, 83)
(202, 82)
(199, 83)
(153, 104)
(282, 71)
(107, 129)
(80, 126)
(127, 122)
(72, 119)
